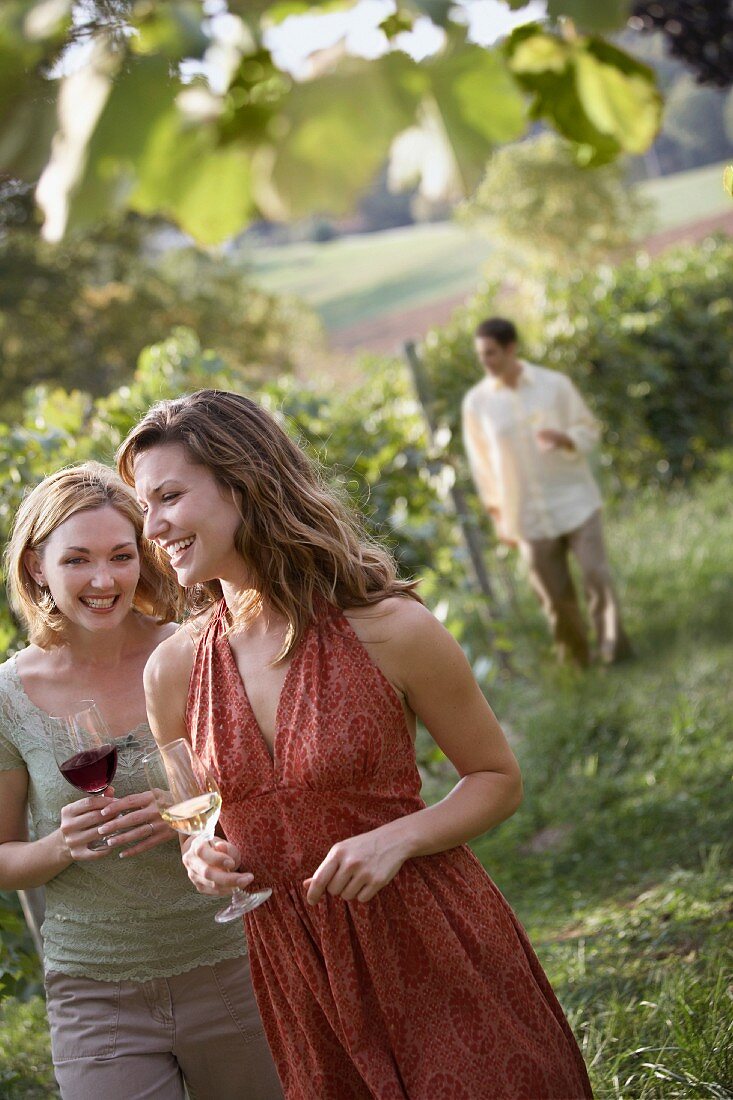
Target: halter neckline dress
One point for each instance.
(431, 990)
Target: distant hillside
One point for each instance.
(374, 290)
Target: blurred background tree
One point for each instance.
(542, 212)
(79, 314)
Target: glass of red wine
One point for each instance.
(85, 753)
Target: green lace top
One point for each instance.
(111, 919)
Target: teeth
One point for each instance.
(99, 603)
(174, 547)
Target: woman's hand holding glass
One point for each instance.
(79, 826)
(134, 824)
(189, 799)
(87, 758)
(212, 864)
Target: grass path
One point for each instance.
(628, 777)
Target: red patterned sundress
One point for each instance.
(429, 991)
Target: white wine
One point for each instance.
(195, 815)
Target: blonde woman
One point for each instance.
(144, 990)
(386, 963)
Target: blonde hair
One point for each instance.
(58, 497)
(298, 540)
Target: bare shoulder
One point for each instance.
(170, 663)
(391, 620)
(403, 634)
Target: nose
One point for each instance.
(154, 524)
(103, 577)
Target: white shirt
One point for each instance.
(539, 494)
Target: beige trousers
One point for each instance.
(549, 574)
(143, 1040)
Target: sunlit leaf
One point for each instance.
(540, 53)
(479, 103)
(625, 106)
(601, 99)
(336, 133)
(44, 19)
(183, 176)
(27, 99)
(141, 96)
(728, 179)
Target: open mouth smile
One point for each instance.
(176, 550)
(99, 603)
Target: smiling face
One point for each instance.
(91, 565)
(190, 515)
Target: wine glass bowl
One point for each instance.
(85, 753)
(189, 800)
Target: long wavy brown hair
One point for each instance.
(63, 494)
(299, 541)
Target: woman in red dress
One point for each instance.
(386, 963)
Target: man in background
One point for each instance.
(527, 432)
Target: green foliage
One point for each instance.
(648, 343)
(79, 314)
(20, 970)
(638, 799)
(26, 1072)
(598, 97)
(543, 213)
(127, 128)
(618, 861)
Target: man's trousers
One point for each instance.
(549, 573)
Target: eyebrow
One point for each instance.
(86, 550)
(159, 488)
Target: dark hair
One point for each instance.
(298, 539)
(499, 329)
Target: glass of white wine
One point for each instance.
(189, 800)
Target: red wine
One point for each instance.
(91, 771)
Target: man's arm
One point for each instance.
(580, 432)
(579, 423)
(482, 471)
(477, 453)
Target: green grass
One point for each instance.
(352, 279)
(362, 278)
(687, 196)
(630, 907)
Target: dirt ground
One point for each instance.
(387, 334)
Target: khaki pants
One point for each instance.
(142, 1040)
(549, 574)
